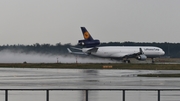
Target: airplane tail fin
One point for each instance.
(86, 34)
(88, 41)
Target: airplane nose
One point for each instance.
(162, 52)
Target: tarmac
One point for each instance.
(27, 78)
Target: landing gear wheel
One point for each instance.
(126, 61)
(153, 61)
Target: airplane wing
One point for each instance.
(139, 55)
(134, 54)
(127, 55)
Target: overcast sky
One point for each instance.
(54, 21)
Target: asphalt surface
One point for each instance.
(22, 78)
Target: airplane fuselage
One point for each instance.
(122, 51)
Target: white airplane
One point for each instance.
(116, 52)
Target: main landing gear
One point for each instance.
(126, 61)
(153, 60)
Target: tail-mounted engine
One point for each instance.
(88, 44)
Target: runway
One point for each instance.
(18, 78)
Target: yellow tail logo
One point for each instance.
(86, 35)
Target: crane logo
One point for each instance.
(86, 35)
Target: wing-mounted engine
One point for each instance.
(88, 44)
(141, 57)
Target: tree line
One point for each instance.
(171, 49)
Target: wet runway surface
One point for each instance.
(22, 78)
(78, 78)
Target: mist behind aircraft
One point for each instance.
(8, 56)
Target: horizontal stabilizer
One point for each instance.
(76, 48)
(93, 49)
(69, 50)
(78, 53)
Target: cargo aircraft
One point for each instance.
(91, 47)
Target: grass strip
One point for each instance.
(159, 75)
(93, 66)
